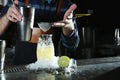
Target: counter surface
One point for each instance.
(88, 69)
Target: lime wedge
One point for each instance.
(63, 61)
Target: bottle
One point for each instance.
(45, 47)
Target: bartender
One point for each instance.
(67, 36)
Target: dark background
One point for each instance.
(106, 13)
(99, 28)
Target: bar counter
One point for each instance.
(87, 69)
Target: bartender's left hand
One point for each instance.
(67, 22)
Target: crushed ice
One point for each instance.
(51, 64)
(44, 64)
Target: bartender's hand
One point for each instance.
(67, 23)
(13, 13)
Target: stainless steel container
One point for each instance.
(26, 25)
(2, 54)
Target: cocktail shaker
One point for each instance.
(26, 25)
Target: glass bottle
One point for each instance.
(45, 47)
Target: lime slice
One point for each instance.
(63, 61)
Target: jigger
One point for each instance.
(2, 54)
(26, 25)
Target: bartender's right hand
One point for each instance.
(13, 13)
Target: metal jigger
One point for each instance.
(2, 54)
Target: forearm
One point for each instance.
(4, 22)
(72, 41)
(70, 36)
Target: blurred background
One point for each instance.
(99, 32)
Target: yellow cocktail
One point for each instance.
(45, 52)
(45, 47)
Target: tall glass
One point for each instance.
(45, 47)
